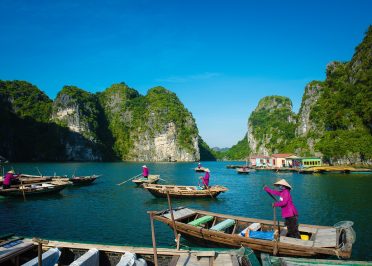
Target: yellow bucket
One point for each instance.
(304, 237)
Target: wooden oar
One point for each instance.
(122, 183)
(23, 189)
(210, 194)
(39, 171)
(274, 208)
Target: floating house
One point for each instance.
(260, 161)
(279, 160)
(305, 162)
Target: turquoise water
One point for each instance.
(106, 213)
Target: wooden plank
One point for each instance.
(296, 241)
(192, 260)
(307, 229)
(327, 231)
(223, 259)
(174, 260)
(8, 253)
(205, 253)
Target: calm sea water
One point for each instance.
(106, 213)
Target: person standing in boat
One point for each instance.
(199, 165)
(205, 178)
(145, 171)
(9, 178)
(289, 211)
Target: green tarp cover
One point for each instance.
(201, 220)
(223, 225)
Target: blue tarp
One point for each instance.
(262, 235)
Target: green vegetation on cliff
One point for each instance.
(335, 117)
(131, 115)
(25, 100)
(272, 123)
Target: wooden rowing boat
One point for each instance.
(152, 179)
(160, 191)
(83, 180)
(34, 189)
(213, 229)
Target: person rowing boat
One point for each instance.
(289, 211)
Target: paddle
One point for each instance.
(275, 251)
(274, 209)
(23, 188)
(39, 171)
(122, 183)
(210, 194)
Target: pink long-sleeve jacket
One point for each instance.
(206, 179)
(145, 171)
(285, 202)
(8, 177)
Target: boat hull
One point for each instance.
(82, 181)
(210, 238)
(32, 192)
(185, 196)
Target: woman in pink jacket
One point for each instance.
(145, 171)
(9, 178)
(289, 211)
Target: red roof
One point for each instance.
(281, 155)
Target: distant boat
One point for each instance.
(200, 169)
(160, 191)
(152, 179)
(243, 171)
(33, 189)
(83, 180)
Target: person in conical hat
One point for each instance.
(205, 178)
(145, 171)
(289, 211)
(9, 179)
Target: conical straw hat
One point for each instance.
(282, 182)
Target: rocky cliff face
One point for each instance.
(271, 125)
(309, 100)
(78, 111)
(155, 127)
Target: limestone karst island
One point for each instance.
(171, 133)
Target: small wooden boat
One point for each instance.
(83, 180)
(233, 166)
(174, 191)
(200, 169)
(152, 179)
(34, 189)
(243, 171)
(213, 229)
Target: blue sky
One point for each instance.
(219, 57)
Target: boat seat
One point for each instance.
(90, 258)
(201, 220)
(49, 258)
(223, 225)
